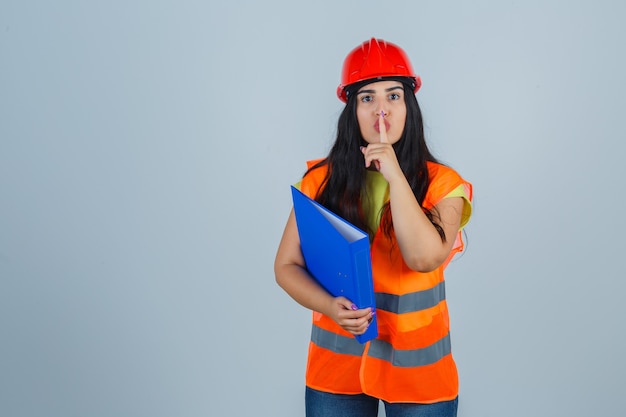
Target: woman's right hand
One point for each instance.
(353, 320)
(292, 276)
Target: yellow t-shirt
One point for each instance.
(378, 189)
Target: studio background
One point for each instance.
(146, 153)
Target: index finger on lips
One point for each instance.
(382, 127)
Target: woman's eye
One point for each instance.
(394, 96)
(366, 99)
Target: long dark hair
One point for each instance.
(344, 185)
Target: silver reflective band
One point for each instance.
(336, 343)
(382, 350)
(410, 358)
(415, 301)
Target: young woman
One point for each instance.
(380, 176)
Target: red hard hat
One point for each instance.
(374, 59)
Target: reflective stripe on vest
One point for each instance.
(408, 303)
(335, 342)
(380, 349)
(410, 358)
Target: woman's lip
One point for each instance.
(377, 126)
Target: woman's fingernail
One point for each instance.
(354, 307)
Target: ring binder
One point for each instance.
(337, 255)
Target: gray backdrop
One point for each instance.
(146, 152)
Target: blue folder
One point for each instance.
(337, 255)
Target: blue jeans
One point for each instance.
(324, 404)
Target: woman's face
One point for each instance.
(387, 96)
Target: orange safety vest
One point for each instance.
(410, 361)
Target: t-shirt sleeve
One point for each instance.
(467, 206)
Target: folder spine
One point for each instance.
(364, 288)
